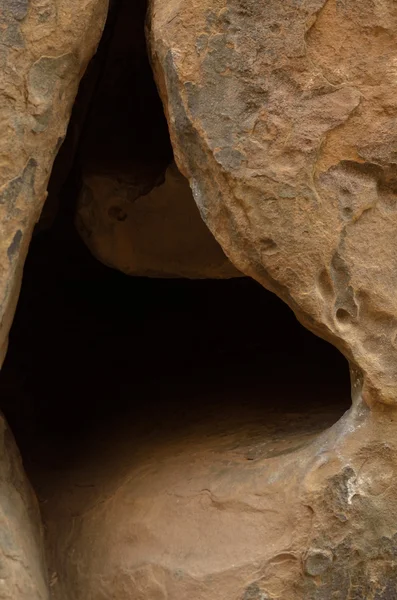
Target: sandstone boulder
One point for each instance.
(136, 213)
(44, 49)
(283, 118)
(239, 505)
(158, 233)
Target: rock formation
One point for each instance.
(156, 234)
(23, 572)
(44, 49)
(283, 118)
(135, 213)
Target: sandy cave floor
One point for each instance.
(106, 374)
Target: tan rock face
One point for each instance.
(245, 507)
(23, 574)
(44, 49)
(154, 234)
(210, 503)
(283, 117)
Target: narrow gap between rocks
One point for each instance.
(101, 365)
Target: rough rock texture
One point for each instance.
(283, 118)
(23, 574)
(44, 49)
(156, 233)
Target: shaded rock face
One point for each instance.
(44, 49)
(233, 510)
(23, 573)
(154, 234)
(283, 117)
(135, 212)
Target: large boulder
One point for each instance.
(23, 573)
(283, 118)
(206, 500)
(235, 504)
(44, 49)
(156, 233)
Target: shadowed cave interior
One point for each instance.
(102, 364)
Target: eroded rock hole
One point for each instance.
(142, 405)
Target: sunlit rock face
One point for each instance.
(283, 118)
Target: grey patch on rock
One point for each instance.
(41, 121)
(14, 246)
(220, 55)
(201, 43)
(10, 192)
(179, 574)
(317, 561)
(47, 12)
(211, 18)
(229, 158)
(253, 592)
(183, 126)
(287, 191)
(46, 73)
(15, 8)
(354, 579)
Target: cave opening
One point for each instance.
(102, 364)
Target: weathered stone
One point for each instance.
(149, 232)
(283, 118)
(37, 89)
(239, 506)
(23, 574)
(198, 517)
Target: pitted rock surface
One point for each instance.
(283, 117)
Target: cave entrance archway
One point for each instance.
(104, 369)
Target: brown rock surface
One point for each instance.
(228, 503)
(23, 573)
(157, 234)
(212, 502)
(283, 118)
(44, 49)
